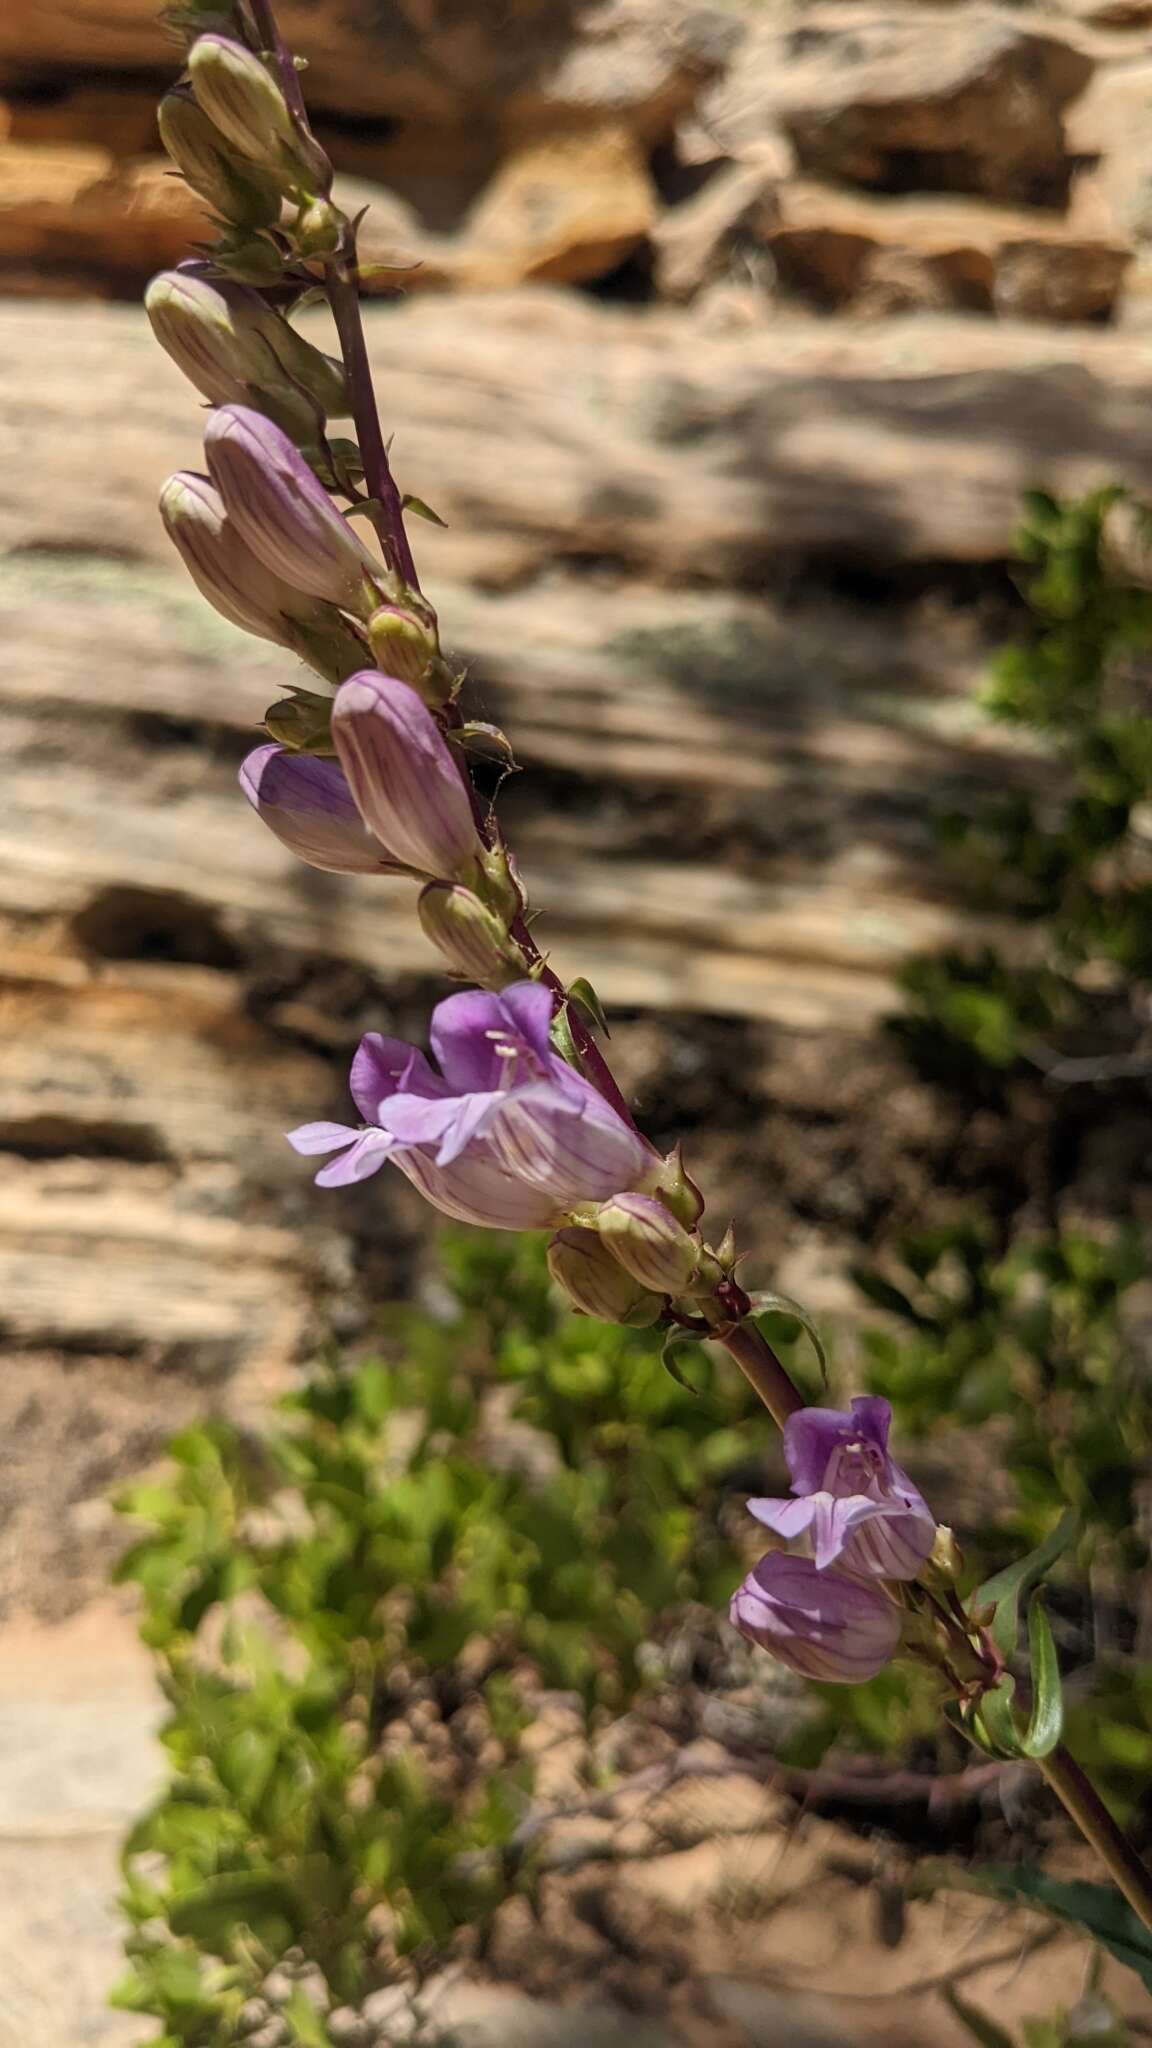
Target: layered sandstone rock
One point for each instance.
(842, 155)
(727, 809)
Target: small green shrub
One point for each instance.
(1035, 1339)
(355, 1614)
(1071, 862)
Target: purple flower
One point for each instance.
(821, 1624)
(284, 513)
(403, 776)
(506, 1133)
(306, 802)
(856, 1504)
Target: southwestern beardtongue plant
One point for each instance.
(524, 1126)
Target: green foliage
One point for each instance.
(1110, 1731)
(1029, 1338)
(1099, 1909)
(1032, 1340)
(1068, 862)
(354, 1616)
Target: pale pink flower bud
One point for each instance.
(284, 513)
(404, 776)
(307, 804)
(223, 567)
(238, 192)
(596, 1284)
(473, 941)
(649, 1242)
(224, 338)
(240, 96)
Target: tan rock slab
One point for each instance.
(951, 99)
(75, 214)
(424, 60)
(870, 253)
(561, 210)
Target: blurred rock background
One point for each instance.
(725, 339)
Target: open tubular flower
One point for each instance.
(306, 802)
(404, 776)
(283, 513)
(505, 1116)
(852, 1501)
(822, 1624)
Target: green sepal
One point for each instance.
(668, 1358)
(422, 510)
(994, 1720)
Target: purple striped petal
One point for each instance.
(787, 1518)
(383, 1067)
(321, 1137)
(283, 512)
(403, 775)
(529, 1008)
(811, 1437)
(306, 802)
(821, 1624)
(573, 1145)
(473, 1190)
(446, 1127)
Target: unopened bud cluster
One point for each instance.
(362, 775)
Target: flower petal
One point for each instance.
(383, 1067)
(822, 1624)
(572, 1144)
(788, 1518)
(872, 1419)
(529, 1008)
(321, 1137)
(366, 1157)
(464, 1033)
(473, 1190)
(307, 803)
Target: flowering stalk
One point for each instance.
(520, 1123)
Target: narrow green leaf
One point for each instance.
(258, 1899)
(585, 997)
(1098, 1910)
(980, 2025)
(783, 1305)
(668, 1359)
(1047, 1721)
(1004, 1590)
